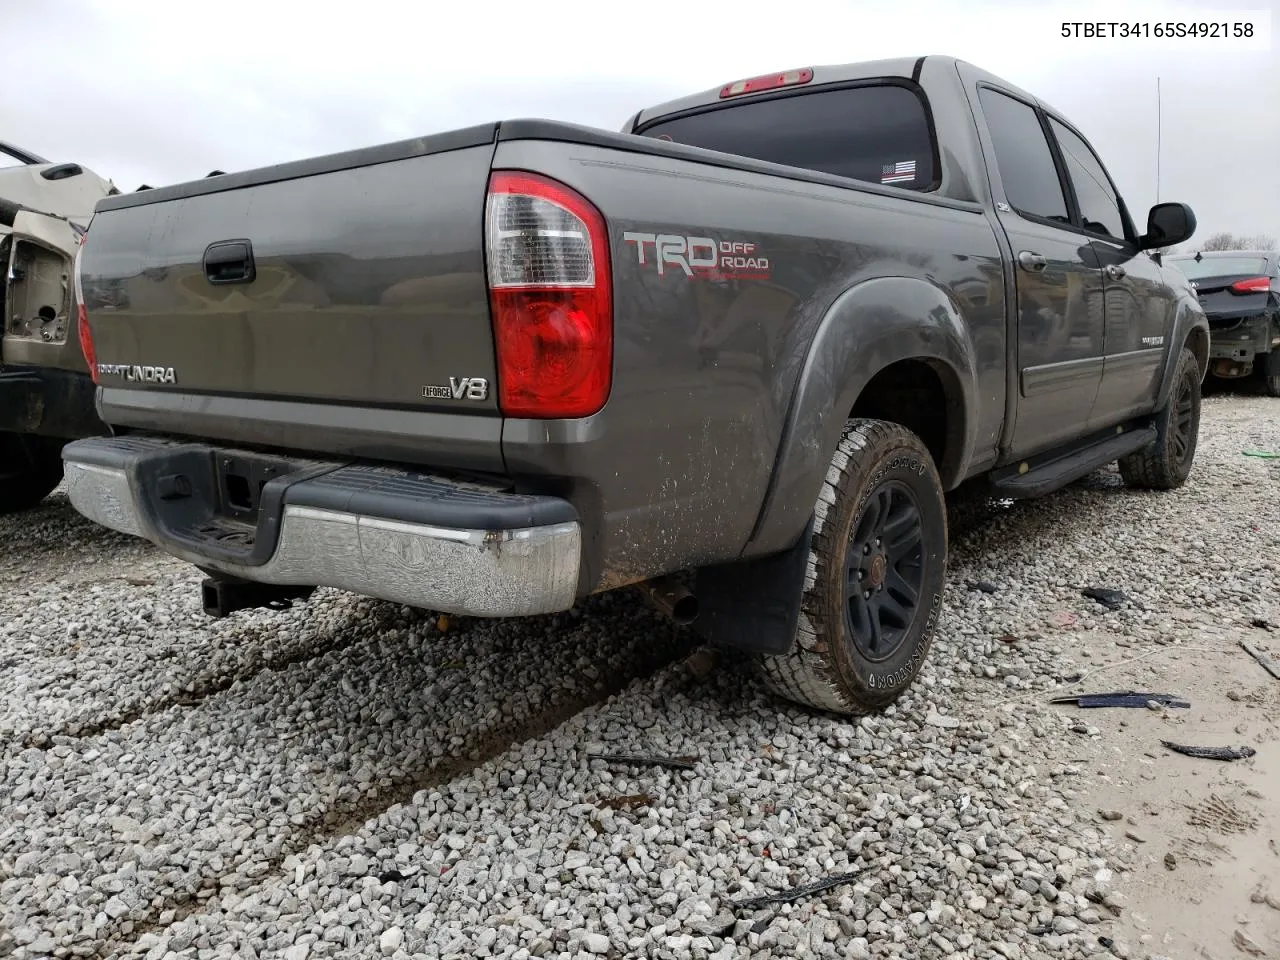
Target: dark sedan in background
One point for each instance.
(1240, 293)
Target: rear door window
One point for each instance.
(1023, 157)
(879, 133)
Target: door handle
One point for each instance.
(1113, 271)
(229, 261)
(1032, 262)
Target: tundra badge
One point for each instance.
(135, 373)
(459, 388)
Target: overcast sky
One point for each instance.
(159, 91)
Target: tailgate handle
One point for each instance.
(229, 261)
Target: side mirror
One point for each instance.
(1168, 224)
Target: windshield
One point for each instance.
(1221, 267)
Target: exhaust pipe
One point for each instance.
(224, 597)
(672, 598)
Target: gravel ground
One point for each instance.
(352, 778)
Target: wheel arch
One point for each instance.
(1198, 342)
(1190, 330)
(892, 348)
(925, 395)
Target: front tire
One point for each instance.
(1166, 463)
(875, 575)
(30, 467)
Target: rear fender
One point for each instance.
(869, 327)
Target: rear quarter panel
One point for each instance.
(672, 473)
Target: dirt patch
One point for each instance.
(1198, 847)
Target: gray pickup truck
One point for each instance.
(756, 335)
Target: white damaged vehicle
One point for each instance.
(46, 393)
(65, 190)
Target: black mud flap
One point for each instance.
(753, 605)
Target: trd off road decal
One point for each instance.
(702, 257)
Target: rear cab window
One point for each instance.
(878, 132)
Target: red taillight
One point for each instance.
(547, 254)
(82, 315)
(86, 342)
(768, 82)
(1252, 285)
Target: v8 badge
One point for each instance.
(459, 388)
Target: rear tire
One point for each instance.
(1271, 373)
(876, 569)
(30, 467)
(1166, 463)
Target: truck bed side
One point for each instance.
(674, 471)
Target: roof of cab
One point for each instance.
(904, 67)
(899, 67)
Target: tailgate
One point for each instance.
(355, 280)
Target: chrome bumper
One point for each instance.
(483, 573)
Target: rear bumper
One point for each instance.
(55, 403)
(398, 535)
(1235, 342)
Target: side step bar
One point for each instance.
(1054, 470)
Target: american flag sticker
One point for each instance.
(903, 172)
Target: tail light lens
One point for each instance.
(82, 315)
(1252, 285)
(547, 254)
